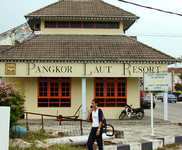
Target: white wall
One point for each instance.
(4, 127)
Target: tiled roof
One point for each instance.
(4, 47)
(79, 10)
(87, 8)
(85, 48)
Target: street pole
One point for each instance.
(152, 114)
(165, 106)
(84, 98)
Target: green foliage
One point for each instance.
(39, 135)
(180, 76)
(54, 147)
(10, 97)
(66, 147)
(178, 87)
(170, 147)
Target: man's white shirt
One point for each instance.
(95, 118)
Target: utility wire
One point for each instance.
(148, 7)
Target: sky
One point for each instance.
(158, 30)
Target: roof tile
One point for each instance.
(84, 48)
(87, 8)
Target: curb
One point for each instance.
(148, 144)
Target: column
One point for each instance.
(84, 98)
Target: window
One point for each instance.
(62, 24)
(88, 25)
(111, 92)
(79, 24)
(50, 24)
(54, 92)
(101, 25)
(75, 24)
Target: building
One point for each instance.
(15, 35)
(80, 53)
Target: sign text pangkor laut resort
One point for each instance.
(118, 70)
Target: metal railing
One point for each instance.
(58, 118)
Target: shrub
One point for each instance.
(11, 97)
(178, 87)
(180, 76)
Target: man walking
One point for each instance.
(96, 117)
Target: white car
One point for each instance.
(171, 98)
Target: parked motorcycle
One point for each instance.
(130, 112)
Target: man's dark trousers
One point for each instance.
(92, 137)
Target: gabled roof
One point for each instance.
(79, 10)
(85, 48)
(86, 8)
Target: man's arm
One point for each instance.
(89, 117)
(101, 117)
(100, 125)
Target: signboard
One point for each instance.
(78, 69)
(157, 81)
(55, 70)
(10, 69)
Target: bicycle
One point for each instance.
(108, 130)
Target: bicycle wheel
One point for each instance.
(109, 130)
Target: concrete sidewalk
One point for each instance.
(137, 134)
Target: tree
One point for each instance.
(178, 87)
(180, 76)
(11, 97)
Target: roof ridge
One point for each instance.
(149, 47)
(117, 8)
(101, 1)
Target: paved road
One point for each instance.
(174, 111)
